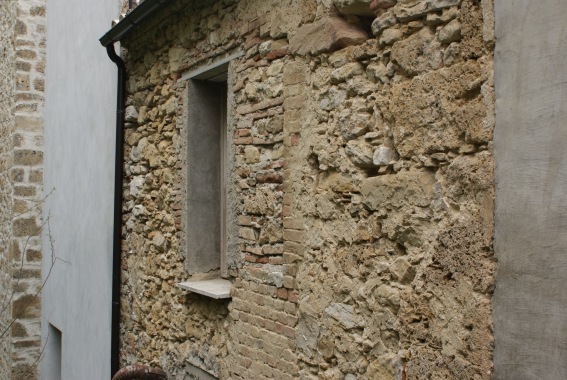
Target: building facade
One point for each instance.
(359, 193)
(314, 189)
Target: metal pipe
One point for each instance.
(118, 189)
(140, 372)
(144, 10)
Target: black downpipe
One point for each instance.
(118, 189)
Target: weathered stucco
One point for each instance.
(530, 301)
(361, 191)
(80, 121)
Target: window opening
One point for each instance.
(206, 163)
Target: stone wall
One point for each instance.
(362, 191)
(7, 90)
(22, 85)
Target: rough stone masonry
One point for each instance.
(361, 191)
(22, 69)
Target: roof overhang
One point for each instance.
(145, 9)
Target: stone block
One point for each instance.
(354, 7)
(26, 227)
(418, 53)
(465, 247)
(389, 36)
(360, 153)
(325, 35)
(354, 124)
(26, 157)
(18, 330)
(36, 176)
(450, 32)
(471, 177)
(247, 233)
(425, 118)
(346, 71)
(29, 124)
(384, 155)
(402, 270)
(176, 55)
(392, 191)
(345, 315)
(131, 114)
(26, 307)
(33, 255)
(382, 22)
(17, 175)
(24, 191)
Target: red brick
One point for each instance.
(250, 258)
(282, 293)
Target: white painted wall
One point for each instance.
(79, 155)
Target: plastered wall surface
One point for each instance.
(79, 164)
(531, 102)
(360, 192)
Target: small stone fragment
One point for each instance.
(131, 115)
(385, 21)
(435, 5)
(450, 32)
(346, 72)
(354, 7)
(418, 53)
(384, 155)
(376, 5)
(353, 125)
(159, 241)
(402, 270)
(377, 71)
(272, 45)
(136, 185)
(247, 233)
(251, 154)
(452, 54)
(344, 314)
(412, 12)
(360, 152)
(389, 36)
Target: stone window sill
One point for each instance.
(216, 288)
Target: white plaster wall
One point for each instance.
(79, 154)
(530, 301)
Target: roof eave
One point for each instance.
(131, 20)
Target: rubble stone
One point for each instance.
(326, 34)
(359, 192)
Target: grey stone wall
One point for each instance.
(362, 189)
(8, 13)
(23, 60)
(27, 178)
